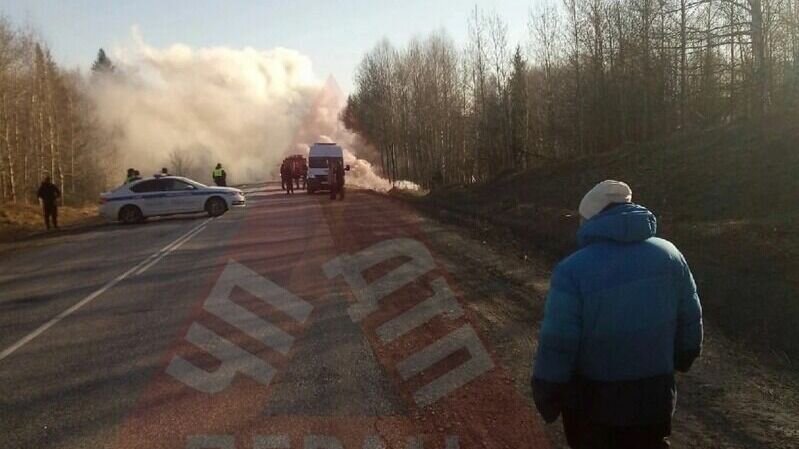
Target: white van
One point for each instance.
(318, 158)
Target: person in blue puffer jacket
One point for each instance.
(622, 314)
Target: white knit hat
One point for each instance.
(602, 195)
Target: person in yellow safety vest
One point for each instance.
(131, 176)
(219, 175)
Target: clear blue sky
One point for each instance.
(334, 34)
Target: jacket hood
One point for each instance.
(623, 223)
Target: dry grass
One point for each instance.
(23, 220)
(726, 197)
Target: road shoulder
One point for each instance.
(732, 398)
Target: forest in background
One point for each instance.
(593, 75)
(47, 123)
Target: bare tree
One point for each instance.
(182, 162)
(41, 129)
(601, 73)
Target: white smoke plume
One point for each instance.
(187, 109)
(362, 174)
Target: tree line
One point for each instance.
(46, 123)
(594, 74)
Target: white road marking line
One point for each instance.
(176, 241)
(174, 246)
(41, 329)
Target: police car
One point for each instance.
(166, 195)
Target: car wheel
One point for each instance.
(215, 206)
(130, 214)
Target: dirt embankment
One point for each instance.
(728, 198)
(19, 221)
(729, 399)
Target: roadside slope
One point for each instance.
(19, 220)
(727, 198)
(728, 400)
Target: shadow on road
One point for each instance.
(96, 226)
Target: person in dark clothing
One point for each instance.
(283, 175)
(219, 175)
(335, 174)
(164, 171)
(304, 174)
(49, 195)
(437, 179)
(286, 175)
(296, 171)
(621, 316)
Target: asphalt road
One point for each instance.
(296, 322)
